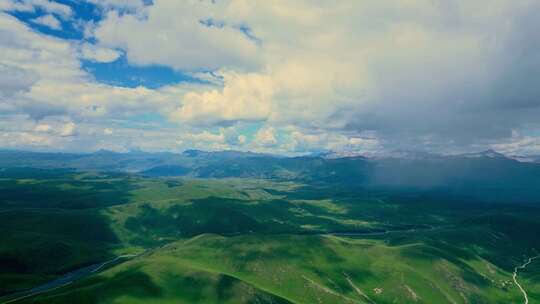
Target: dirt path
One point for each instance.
(358, 290)
(328, 290)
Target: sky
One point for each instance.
(287, 77)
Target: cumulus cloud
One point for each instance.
(206, 137)
(14, 80)
(30, 6)
(519, 144)
(266, 137)
(24, 140)
(58, 127)
(181, 34)
(439, 75)
(43, 128)
(223, 138)
(245, 97)
(68, 129)
(409, 70)
(99, 54)
(49, 21)
(44, 77)
(130, 5)
(306, 141)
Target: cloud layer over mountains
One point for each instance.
(275, 76)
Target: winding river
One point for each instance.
(65, 280)
(514, 277)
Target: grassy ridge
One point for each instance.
(297, 269)
(150, 279)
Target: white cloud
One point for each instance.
(224, 138)
(14, 80)
(43, 128)
(56, 126)
(302, 141)
(407, 67)
(206, 137)
(46, 58)
(519, 144)
(45, 78)
(48, 21)
(24, 139)
(244, 97)
(99, 54)
(266, 137)
(22, 132)
(30, 6)
(68, 129)
(130, 5)
(173, 33)
(415, 73)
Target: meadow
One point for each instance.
(247, 240)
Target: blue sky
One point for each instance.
(367, 78)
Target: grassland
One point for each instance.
(295, 269)
(258, 241)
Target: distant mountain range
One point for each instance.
(139, 161)
(489, 175)
(404, 154)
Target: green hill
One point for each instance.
(247, 240)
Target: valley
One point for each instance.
(253, 240)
